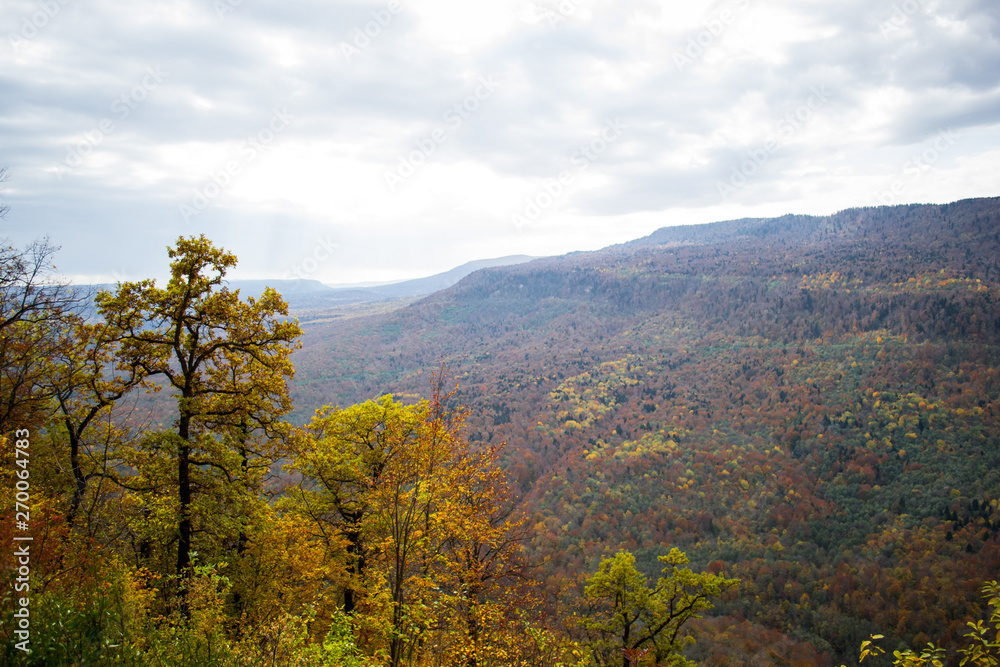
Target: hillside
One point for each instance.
(808, 403)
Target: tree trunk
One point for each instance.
(80, 481)
(356, 553)
(472, 622)
(625, 659)
(242, 539)
(184, 509)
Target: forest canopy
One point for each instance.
(799, 414)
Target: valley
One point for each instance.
(807, 403)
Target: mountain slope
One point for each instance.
(810, 403)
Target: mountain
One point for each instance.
(439, 281)
(308, 297)
(811, 404)
(289, 289)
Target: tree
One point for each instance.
(432, 538)
(442, 517)
(630, 619)
(485, 534)
(34, 309)
(343, 455)
(4, 208)
(86, 388)
(983, 649)
(225, 360)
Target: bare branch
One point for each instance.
(4, 208)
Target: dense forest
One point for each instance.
(751, 442)
(808, 404)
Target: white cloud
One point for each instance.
(562, 67)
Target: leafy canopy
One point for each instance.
(631, 619)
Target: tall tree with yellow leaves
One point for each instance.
(224, 358)
(433, 539)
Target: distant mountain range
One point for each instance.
(310, 295)
(306, 296)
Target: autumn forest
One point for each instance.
(755, 442)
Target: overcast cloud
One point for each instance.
(357, 141)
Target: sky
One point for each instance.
(376, 141)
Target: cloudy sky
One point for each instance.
(365, 141)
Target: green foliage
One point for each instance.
(93, 625)
(64, 633)
(338, 648)
(630, 617)
(983, 649)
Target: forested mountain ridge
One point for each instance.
(782, 274)
(809, 403)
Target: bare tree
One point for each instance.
(4, 175)
(34, 306)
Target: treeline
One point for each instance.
(201, 528)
